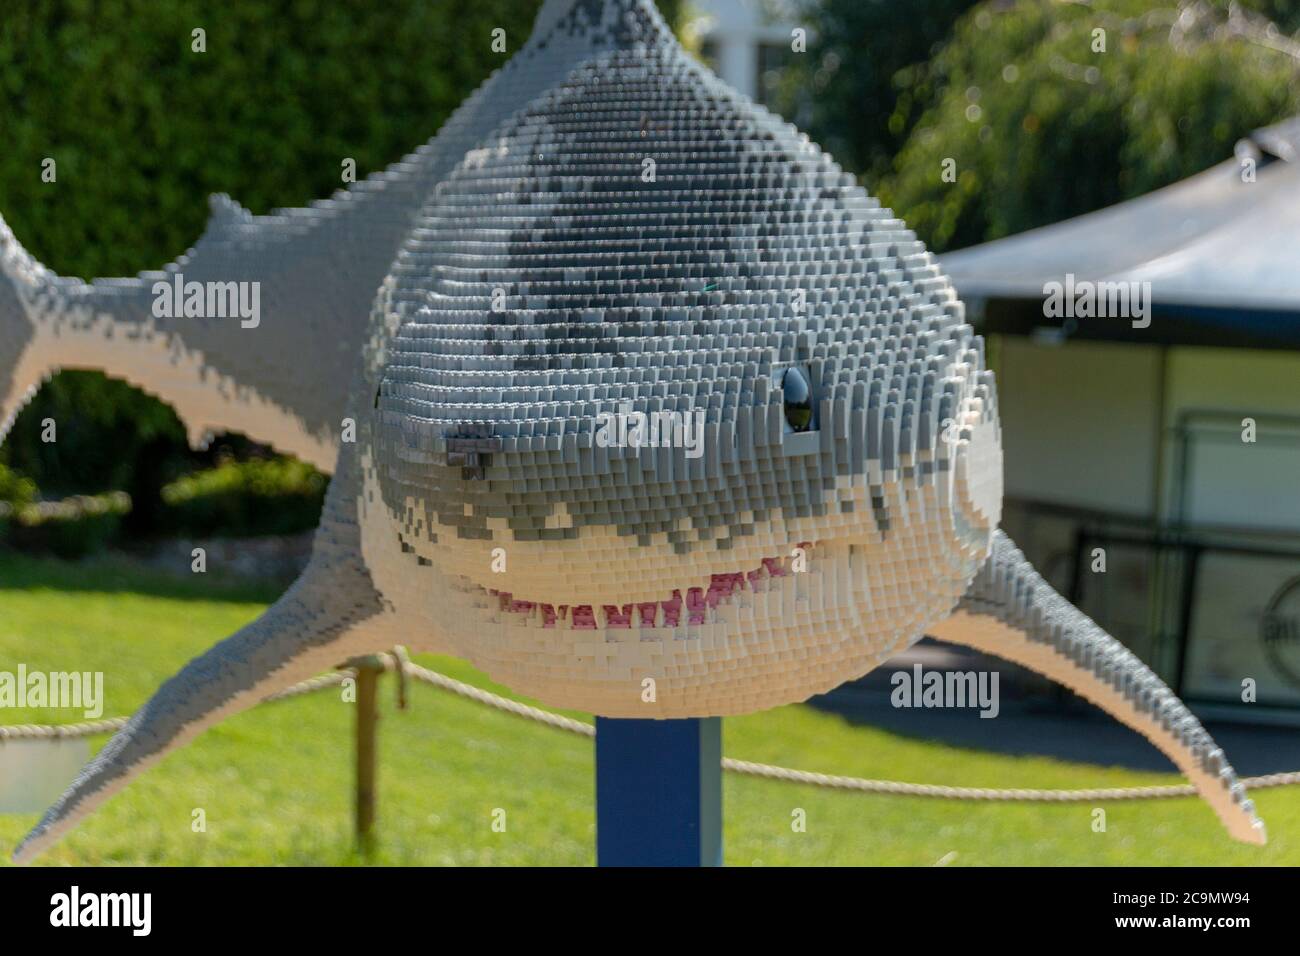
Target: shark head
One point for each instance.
(659, 392)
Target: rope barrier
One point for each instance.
(86, 728)
(405, 669)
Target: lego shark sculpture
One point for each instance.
(606, 232)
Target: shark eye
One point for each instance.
(798, 399)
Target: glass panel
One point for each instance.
(1119, 599)
(1245, 624)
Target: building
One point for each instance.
(1163, 443)
(746, 42)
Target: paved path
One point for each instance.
(1040, 725)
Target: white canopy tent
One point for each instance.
(1222, 254)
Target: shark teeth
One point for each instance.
(686, 607)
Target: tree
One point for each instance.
(1051, 109)
(846, 91)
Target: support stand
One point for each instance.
(659, 792)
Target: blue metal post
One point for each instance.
(659, 792)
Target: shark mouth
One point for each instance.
(688, 607)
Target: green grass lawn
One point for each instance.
(275, 782)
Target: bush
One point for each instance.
(71, 528)
(242, 499)
(104, 428)
(15, 490)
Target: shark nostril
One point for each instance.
(472, 453)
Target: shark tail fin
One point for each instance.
(21, 280)
(1009, 611)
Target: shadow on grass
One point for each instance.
(1063, 726)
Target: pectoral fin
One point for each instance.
(332, 613)
(1011, 612)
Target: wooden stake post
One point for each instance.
(367, 670)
